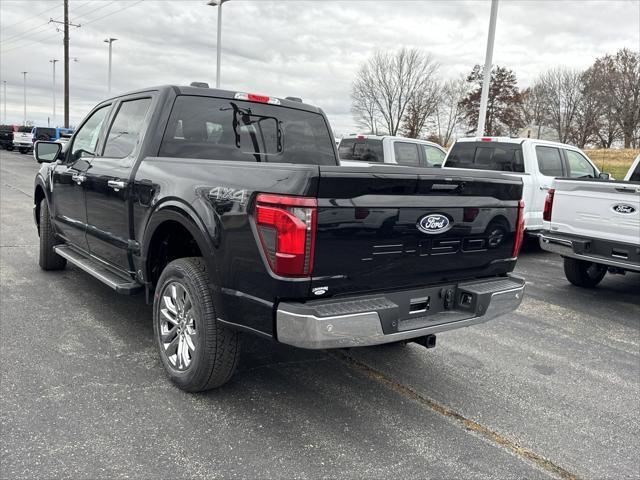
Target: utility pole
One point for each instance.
(66, 59)
(53, 62)
(109, 41)
(24, 76)
(486, 78)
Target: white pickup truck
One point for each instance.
(356, 149)
(595, 226)
(23, 140)
(537, 162)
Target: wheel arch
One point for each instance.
(174, 221)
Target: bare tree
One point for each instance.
(534, 107)
(387, 83)
(563, 94)
(449, 112)
(364, 107)
(421, 107)
(596, 87)
(621, 85)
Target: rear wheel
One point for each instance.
(23, 150)
(582, 273)
(49, 259)
(197, 351)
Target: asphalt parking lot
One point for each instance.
(551, 391)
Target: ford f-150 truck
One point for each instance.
(537, 162)
(364, 149)
(231, 211)
(595, 226)
(23, 140)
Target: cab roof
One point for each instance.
(227, 94)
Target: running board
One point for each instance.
(120, 283)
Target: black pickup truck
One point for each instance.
(231, 212)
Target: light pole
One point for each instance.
(218, 3)
(4, 96)
(109, 41)
(53, 62)
(486, 78)
(24, 121)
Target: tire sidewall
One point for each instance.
(174, 272)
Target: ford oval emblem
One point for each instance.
(434, 223)
(623, 208)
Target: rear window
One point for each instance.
(504, 157)
(364, 150)
(50, 132)
(223, 129)
(25, 129)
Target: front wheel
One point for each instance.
(582, 273)
(197, 351)
(49, 259)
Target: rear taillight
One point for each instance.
(519, 230)
(548, 205)
(287, 229)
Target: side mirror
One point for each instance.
(46, 152)
(604, 176)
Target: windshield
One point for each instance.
(504, 157)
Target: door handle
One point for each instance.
(628, 189)
(542, 187)
(116, 184)
(78, 178)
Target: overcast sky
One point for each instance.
(309, 49)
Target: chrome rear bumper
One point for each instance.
(313, 326)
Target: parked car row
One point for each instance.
(22, 138)
(596, 221)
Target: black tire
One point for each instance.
(49, 260)
(217, 348)
(23, 150)
(582, 273)
(9, 148)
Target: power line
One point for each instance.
(42, 28)
(114, 12)
(41, 40)
(90, 12)
(33, 17)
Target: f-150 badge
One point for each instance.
(434, 223)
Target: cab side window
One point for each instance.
(86, 139)
(579, 166)
(434, 155)
(126, 129)
(406, 153)
(549, 161)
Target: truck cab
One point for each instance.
(358, 149)
(537, 162)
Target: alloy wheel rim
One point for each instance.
(178, 332)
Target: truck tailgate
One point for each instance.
(387, 227)
(597, 209)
